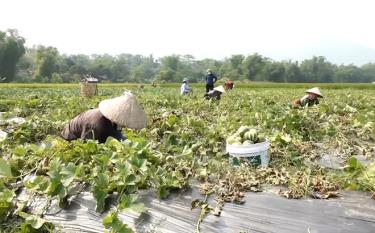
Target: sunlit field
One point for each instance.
(184, 141)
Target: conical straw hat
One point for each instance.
(315, 90)
(124, 111)
(220, 88)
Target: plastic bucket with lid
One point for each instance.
(256, 154)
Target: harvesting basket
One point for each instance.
(89, 89)
(254, 153)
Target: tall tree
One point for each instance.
(169, 69)
(317, 69)
(350, 73)
(292, 72)
(11, 50)
(253, 67)
(274, 72)
(46, 61)
(368, 72)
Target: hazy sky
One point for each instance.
(203, 28)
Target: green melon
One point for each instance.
(247, 142)
(252, 135)
(242, 130)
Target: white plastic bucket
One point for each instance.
(254, 153)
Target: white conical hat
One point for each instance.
(124, 111)
(315, 90)
(220, 88)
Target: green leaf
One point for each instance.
(126, 201)
(107, 220)
(56, 188)
(19, 152)
(34, 221)
(100, 191)
(68, 174)
(5, 169)
(111, 221)
(138, 207)
(162, 191)
(187, 153)
(6, 198)
(100, 196)
(286, 138)
(354, 165)
(129, 202)
(38, 183)
(6, 195)
(102, 180)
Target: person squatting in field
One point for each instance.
(215, 93)
(210, 81)
(312, 98)
(185, 89)
(228, 85)
(107, 120)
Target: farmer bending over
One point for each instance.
(107, 120)
(215, 93)
(228, 85)
(210, 80)
(310, 99)
(185, 89)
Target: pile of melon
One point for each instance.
(245, 135)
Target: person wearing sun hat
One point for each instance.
(185, 89)
(312, 98)
(107, 120)
(215, 93)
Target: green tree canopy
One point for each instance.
(11, 50)
(46, 61)
(40, 63)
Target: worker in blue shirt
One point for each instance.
(210, 80)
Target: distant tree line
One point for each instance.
(46, 64)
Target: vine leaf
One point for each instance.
(111, 221)
(100, 191)
(5, 169)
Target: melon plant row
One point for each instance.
(184, 141)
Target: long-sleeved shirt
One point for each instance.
(91, 125)
(185, 89)
(211, 79)
(307, 100)
(214, 94)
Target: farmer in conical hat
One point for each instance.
(312, 98)
(215, 93)
(107, 120)
(185, 89)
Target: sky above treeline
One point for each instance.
(342, 31)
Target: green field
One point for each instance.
(200, 85)
(184, 141)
